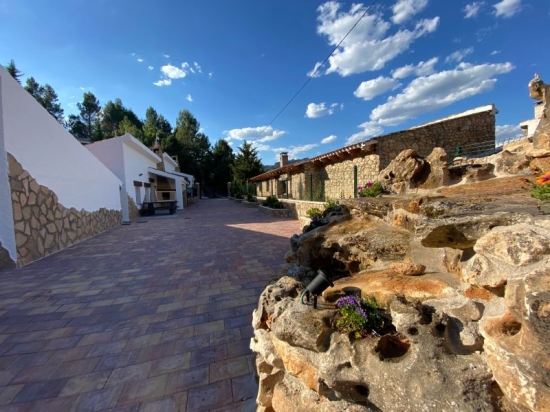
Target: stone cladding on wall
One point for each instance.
(447, 134)
(132, 208)
(43, 225)
(334, 179)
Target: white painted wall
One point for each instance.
(127, 158)
(52, 155)
(7, 234)
(169, 163)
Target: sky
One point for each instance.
(235, 64)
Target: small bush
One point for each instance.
(314, 213)
(239, 196)
(359, 316)
(330, 203)
(273, 203)
(250, 198)
(370, 190)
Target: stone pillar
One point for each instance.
(124, 203)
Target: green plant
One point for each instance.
(330, 203)
(238, 196)
(541, 189)
(359, 317)
(314, 212)
(250, 198)
(273, 203)
(371, 189)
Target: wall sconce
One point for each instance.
(316, 287)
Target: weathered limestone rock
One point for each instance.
(517, 341)
(512, 163)
(401, 173)
(540, 91)
(436, 171)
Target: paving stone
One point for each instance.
(7, 393)
(210, 396)
(178, 315)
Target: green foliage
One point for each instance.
(46, 96)
(250, 197)
(247, 164)
(14, 71)
(330, 203)
(314, 213)
(541, 192)
(220, 166)
(359, 316)
(89, 113)
(370, 190)
(273, 203)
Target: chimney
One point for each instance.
(283, 159)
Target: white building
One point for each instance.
(145, 175)
(53, 192)
(529, 126)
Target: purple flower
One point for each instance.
(349, 300)
(369, 185)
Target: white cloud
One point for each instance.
(403, 10)
(293, 151)
(210, 74)
(163, 82)
(150, 67)
(472, 9)
(315, 72)
(459, 55)
(329, 139)
(318, 110)
(371, 88)
(507, 132)
(424, 68)
(189, 98)
(426, 94)
(198, 67)
(166, 55)
(140, 60)
(369, 129)
(260, 134)
(507, 8)
(369, 46)
(173, 72)
(495, 52)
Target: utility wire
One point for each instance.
(312, 75)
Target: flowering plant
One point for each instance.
(358, 316)
(371, 189)
(541, 188)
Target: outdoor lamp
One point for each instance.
(316, 287)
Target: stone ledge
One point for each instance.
(273, 212)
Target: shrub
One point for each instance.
(370, 190)
(314, 213)
(250, 198)
(359, 317)
(273, 203)
(330, 203)
(541, 190)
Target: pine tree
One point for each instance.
(14, 71)
(247, 164)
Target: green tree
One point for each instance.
(47, 97)
(76, 126)
(220, 166)
(195, 150)
(247, 164)
(113, 114)
(90, 110)
(14, 71)
(127, 126)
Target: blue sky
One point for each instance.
(235, 64)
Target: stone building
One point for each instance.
(337, 174)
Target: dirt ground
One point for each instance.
(498, 187)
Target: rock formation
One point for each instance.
(463, 273)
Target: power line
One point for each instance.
(312, 75)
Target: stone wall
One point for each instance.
(447, 134)
(43, 225)
(132, 208)
(335, 180)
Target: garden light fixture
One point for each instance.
(316, 287)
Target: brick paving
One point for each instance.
(154, 316)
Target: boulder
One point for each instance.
(402, 172)
(436, 172)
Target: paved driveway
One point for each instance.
(154, 316)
